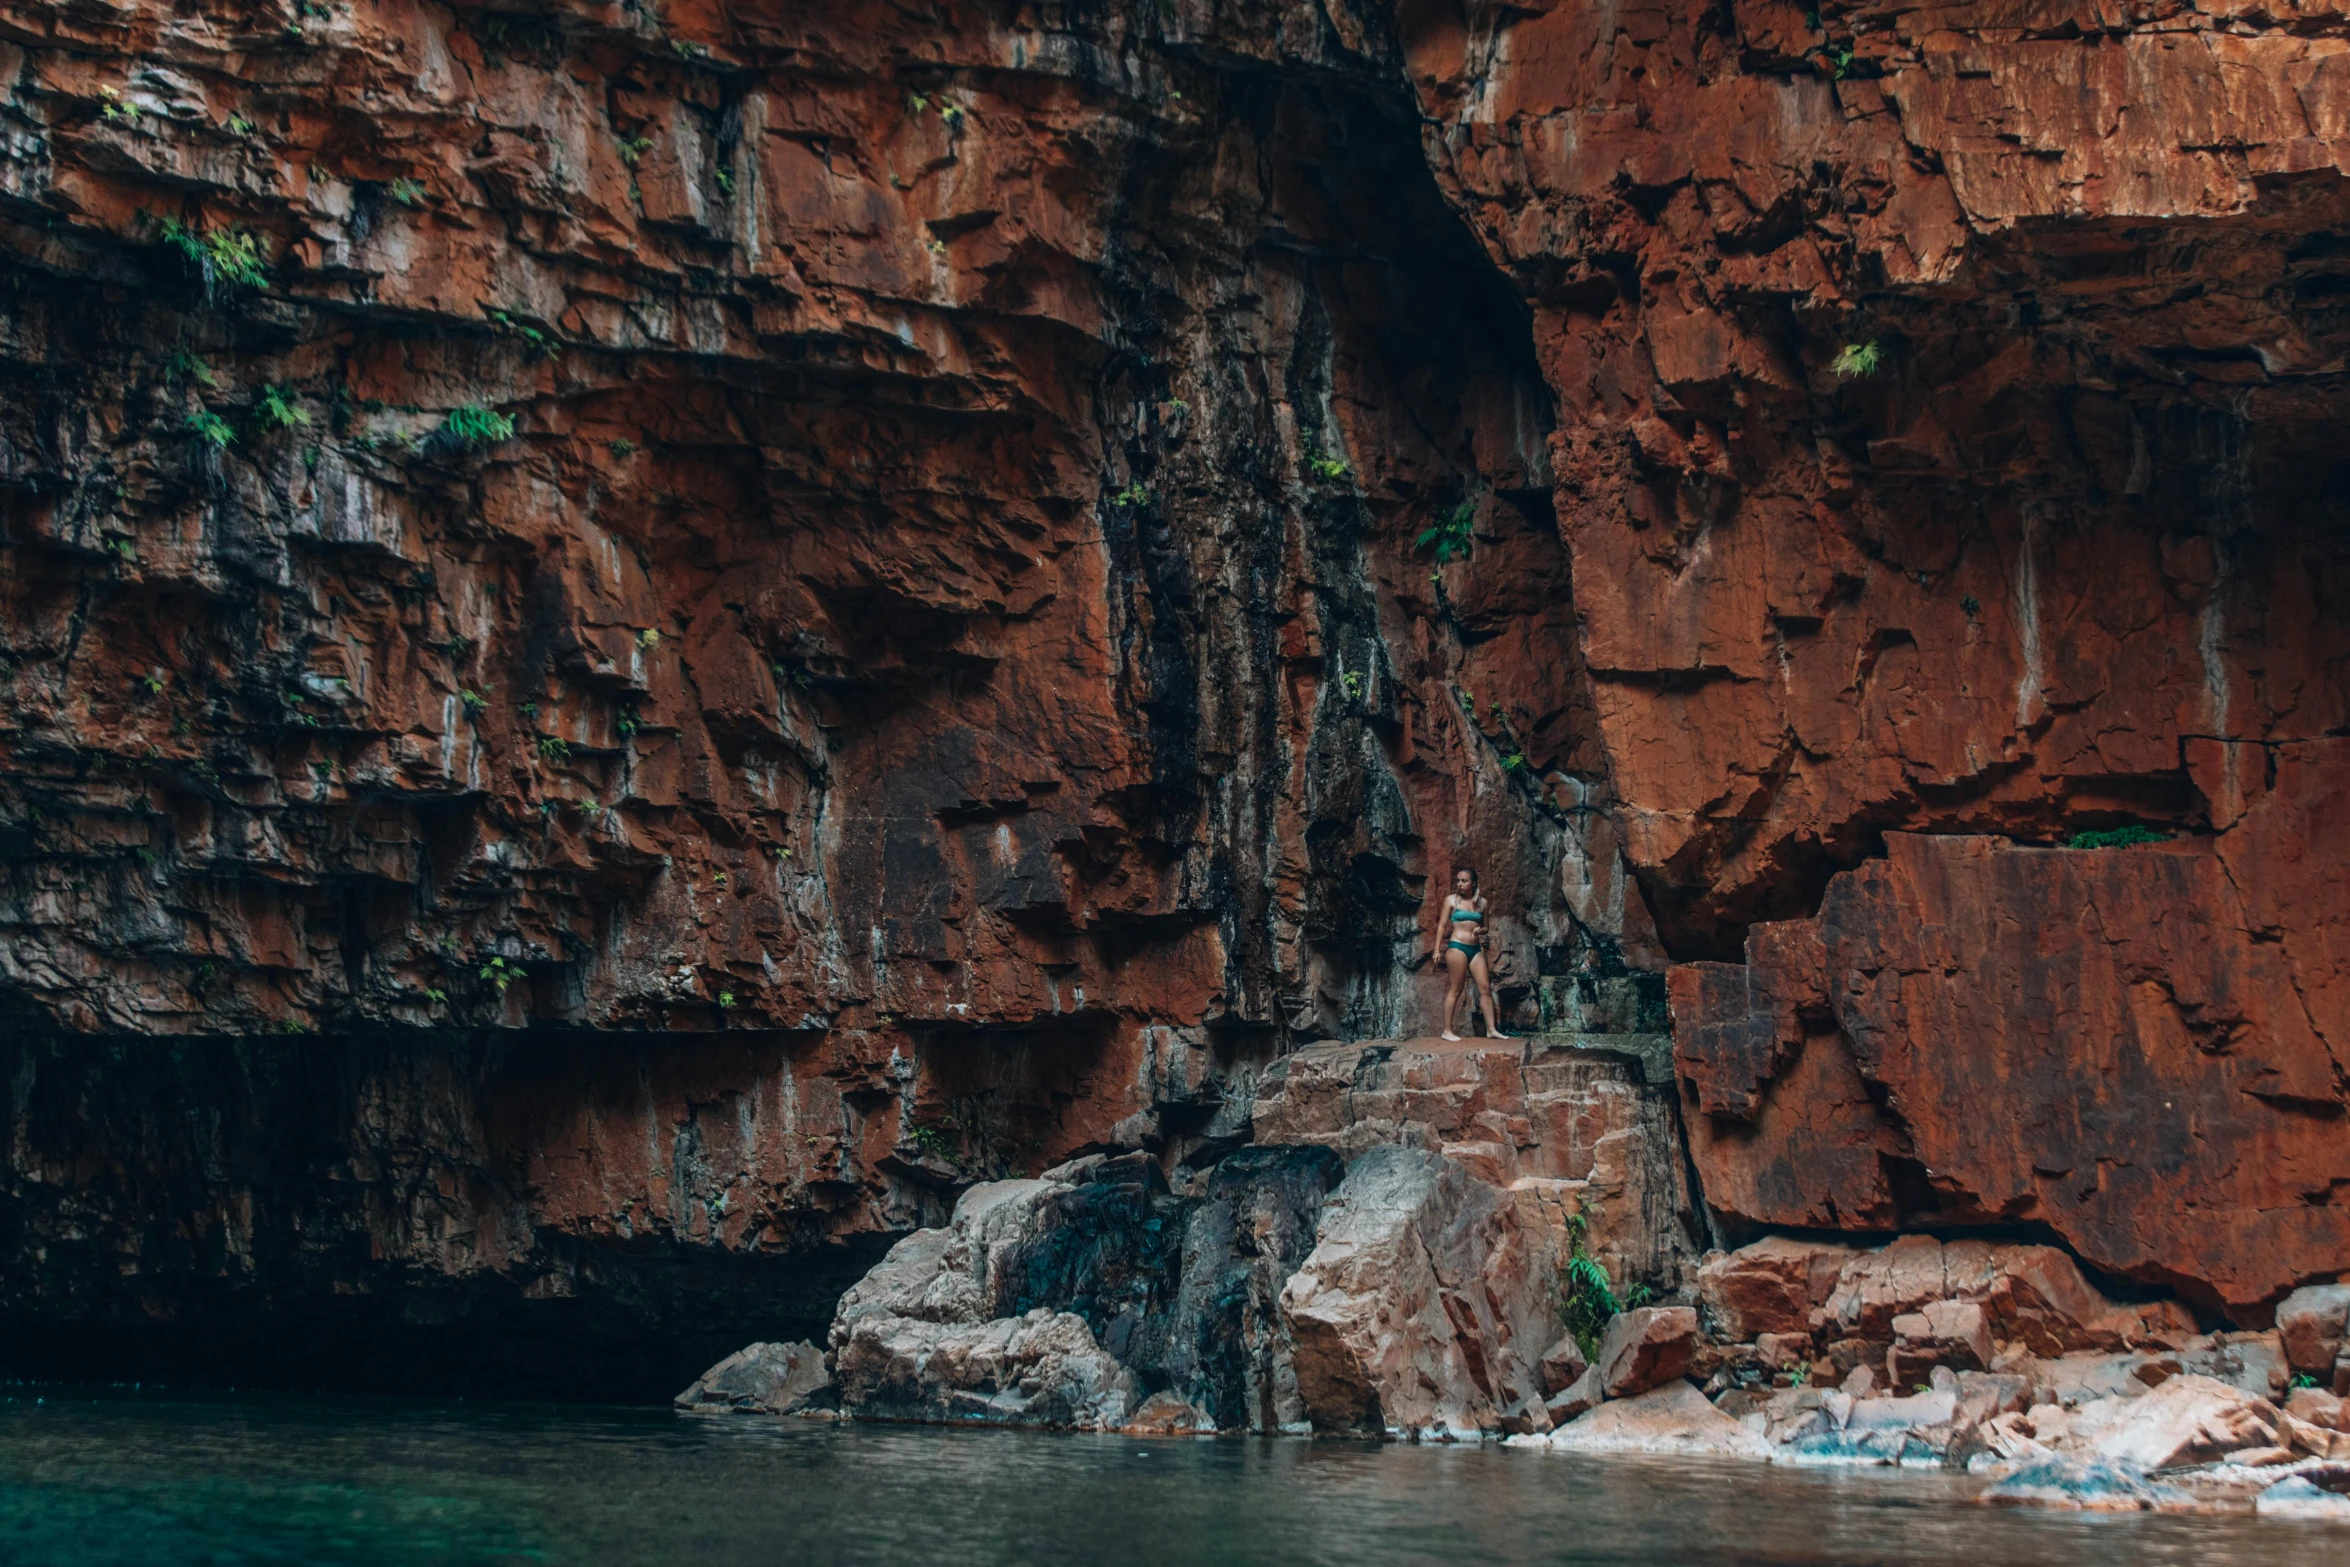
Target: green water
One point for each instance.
(116, 1477)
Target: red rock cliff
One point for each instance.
(951, 643)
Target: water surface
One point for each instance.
(101, 1477)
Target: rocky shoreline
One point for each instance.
(1401, 1296)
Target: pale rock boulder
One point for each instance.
(1951, 1333)
(2295, 1497)
(2187, 1419)
(1427, 1302)
(766, 1379)
(2312, 1323)
(915, 1339)
(1675, 1418)
(1646, 1348)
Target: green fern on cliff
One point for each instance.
(224, 255)
(2116, 838)
(1857, 359)
(1587, 1297)
(1453, 534)
(474, 425)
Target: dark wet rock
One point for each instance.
(1072, 1299)
(766, 1379)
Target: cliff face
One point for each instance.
(949, 666)
(2066, 553)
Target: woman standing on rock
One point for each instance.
(1463, 935)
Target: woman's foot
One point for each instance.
(1495, 1033)
(1449, 1037)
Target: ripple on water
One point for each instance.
(116, 1477)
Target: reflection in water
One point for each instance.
(116, 1477)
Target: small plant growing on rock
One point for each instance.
(648, 639)
(554, 750)
(1453, 534)
(935, 1141)
(501, 973)
(206, 425)
(632, 148)
(1352, 684)
(115, 108)
(1857, 359)
(473, 425)
(151, 684)
(2116, 838)
(473, 702)
(726, 998)
(1587, 1299)
(225, 255)
(277, 409)
(1136, 493)
(1324, 466)
(408, 192)
(622, 446)
(184, 366)
(237, 125)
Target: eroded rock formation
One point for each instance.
(676, 632)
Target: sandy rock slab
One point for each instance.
(1675, 1418)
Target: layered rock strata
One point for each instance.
(972, 572)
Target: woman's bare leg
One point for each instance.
(1484, 977)
(1455, 970)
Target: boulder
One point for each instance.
(2295, 1497)
(1645, 1348)
(1055, 1301)
(1425, 1304)
(1043, 1369)
(1577, 1397)
(1675, 1418)
(1916, 1412)
(945, 1328)
(1952, 1333)
(1771, 1286)
(1877, 1286)
(2095, 1487)
(2310, 1325)
(1527, 1417)
(1167, 1413)
(765, 1379)
(2318, 1407)
(1561, 1364)
(2187, 1419)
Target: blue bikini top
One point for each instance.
(1466, 914)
